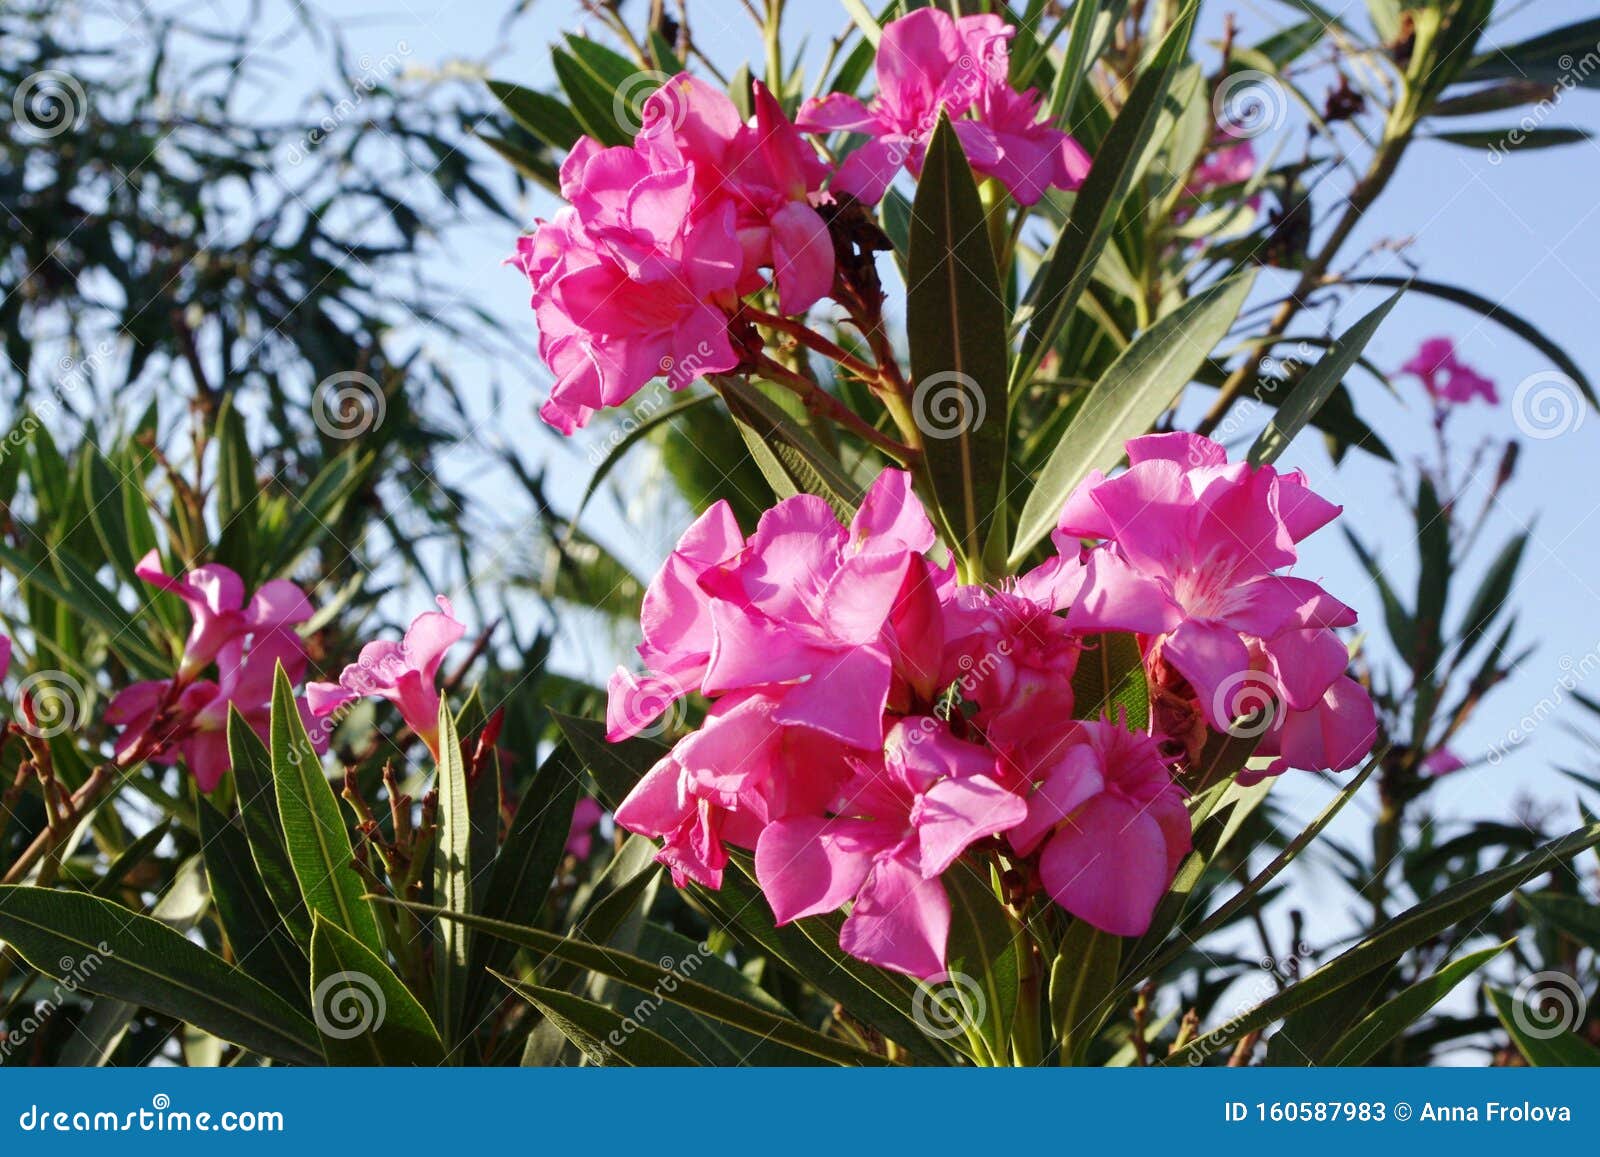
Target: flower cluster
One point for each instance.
(643, 271)
(187, 716)
(1446, 378)
(660, 240)
(930, 62)
(874, 720)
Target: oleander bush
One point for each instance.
(962, 715)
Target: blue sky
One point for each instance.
(1525, 231)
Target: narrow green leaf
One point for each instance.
(1393, 938)
(1530, 1030)
(257, 934)
(1314, 388)
(541, 114)
(313, 828)
(1083, 987)
(790, 458)
(594, 102)
(364, 1015)
(606, 1037)
(1070, 263)
(258, 809)
(1109, 680)
(1570, 915)
(452, 875)
(956, 325)
(675, 985)
(1143, 382)
(1386, 1022)
(140, 960)
(983, 946)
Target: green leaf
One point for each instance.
(257, 934)
(140, 960)
(1530, 1031)
(650, 977)
(1316, 385)
(1570, 915)
(313, 828)
(1070, 263)
(1392, 939)
(1497, 312)
(75, 586)
(1109, 680)
(983, 946)
(365, 1016)
(616, 767)
(1513, 138)
(1130, 395)
(1386, 1022)
(1083, 987)
(956, 326)
(452, 875)
(258, 809)
(545, 117)
(594, 102)
(525, 868)
(1541, 57)
(606, 1037)
(1492, 593)
(790, 458)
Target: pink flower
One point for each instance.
(726, 782)
(1014, 657)
(899, 823)
(1232, 164)
(163, 720)
(1335, 734)
(1107, 821)
(1193, 544)
(833, 621)
(403, 673)
(928, 61)
(1442, 762)
(580, 834)
(1445, 376)
(215, 596)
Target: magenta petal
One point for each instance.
(325, 698)
(278, 603)
(1073, 777)
(430, 635)
(845, 698)
(955, 813)
(1306, 663)
(1115, 596)
(750, 650)
(206, 753)
(656, 806)
(891, 517)
(1212, 657)
(809, 865)
(1108, 867)
(900, 921)
(837, 111)
(634, 702)
(802, 257)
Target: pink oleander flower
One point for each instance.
(580, 833)
(1014, 657)
(1335, 734)
(1192, 547)
(928, 61)
(726, 782)
(1107, 821)
(164, 720)
(404, 673)
(215, 596)
(1231, 164)
(1445, 376)
(1442, 762)
(835, 622)
(900, 822)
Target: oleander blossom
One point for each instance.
(660, 240)
(875, 724)
(404, 673)
(1448, 380)
(930, 62)
(186, 716)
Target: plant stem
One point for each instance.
(819, 401)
